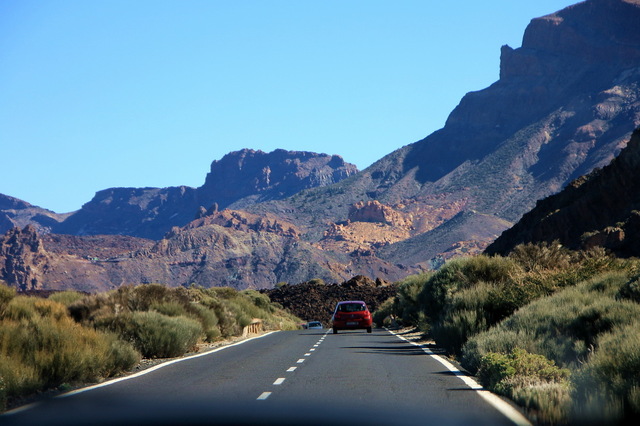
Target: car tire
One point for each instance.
(368, 329)
(335, 330)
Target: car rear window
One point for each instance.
(351, 307)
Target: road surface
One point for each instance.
(291, 377)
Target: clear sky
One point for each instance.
(97, 94)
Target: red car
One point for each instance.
(351, 315)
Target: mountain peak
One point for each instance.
(272, 175)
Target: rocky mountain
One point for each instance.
(227, 248)
(240, 178)
(565, 104)
(18, 213)
(600, 209)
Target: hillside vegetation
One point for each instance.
(555, 330)
(71, 338)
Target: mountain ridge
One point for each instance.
(565, 104)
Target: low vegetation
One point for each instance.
(76, 338)
(553, 329)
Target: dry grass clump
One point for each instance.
(70, 337)
(153, 334)
(42, 347)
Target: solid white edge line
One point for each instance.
(263, 396)
(159, 366)
(507, 410)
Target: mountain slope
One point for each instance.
(18, 213)
(227, 248)
(600, 209)
(566, 103)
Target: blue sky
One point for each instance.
(109, 93)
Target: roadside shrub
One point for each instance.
(531, 380)
(208, 320)
(609, 382)
(6, 294)
(66, 297)
(407, 307)
(470, 295)
(18, 377)
(462, 318)
(170, 309)
(155, 335)
(260, 300)
(460, 274)
(384, 314)
(563, 327)
(41, 347)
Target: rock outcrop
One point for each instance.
(258, 176)
(21, 258)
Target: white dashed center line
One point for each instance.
(281, 380)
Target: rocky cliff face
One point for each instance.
(259, 176)
(566, 103)
(241, 177)
(601, 209)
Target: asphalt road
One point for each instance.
(296, 377)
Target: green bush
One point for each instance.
(407, 308)
(66, 297)
(609, 382)
(467, 296)
(6, 294)
(155, 335)
(383, 315)
(42, 347)
(460, 274)
(531, 380)
(631, 290)
(563, 327)
(542, 256)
